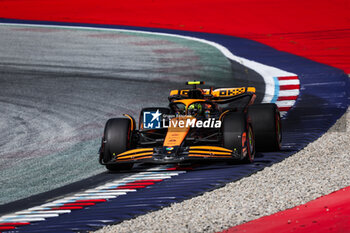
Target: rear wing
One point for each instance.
(220, 93)
(228, 92)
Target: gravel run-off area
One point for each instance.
(321, 168)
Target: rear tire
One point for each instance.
(117, 139)
(266, 122)
(238, 136)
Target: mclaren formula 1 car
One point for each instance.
(211, 124)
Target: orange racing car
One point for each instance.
(221, 124)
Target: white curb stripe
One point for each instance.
(22, 220)
(289, 82)
(31, 216)
(285, 103)
(293, 92)
(43, 212)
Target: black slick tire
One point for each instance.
(116, 138)
(238, 136)
(266, 122)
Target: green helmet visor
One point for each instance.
(195, 109)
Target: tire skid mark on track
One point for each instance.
(266, 71)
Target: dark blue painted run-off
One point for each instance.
(324, 97)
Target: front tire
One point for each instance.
(116, 139)
(238, 136)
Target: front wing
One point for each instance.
(191, 153)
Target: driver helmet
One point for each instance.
(195, 109)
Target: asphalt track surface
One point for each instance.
(59, 86)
